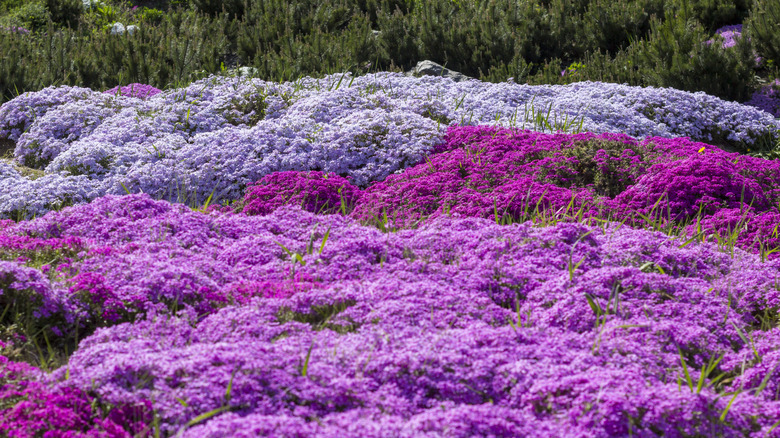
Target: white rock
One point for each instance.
(246, 71)
(118, 29)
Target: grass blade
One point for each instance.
(324, 239)
(305, 368)
(685, 370)
(728, 406)
(207, 415)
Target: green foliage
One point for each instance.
(65, 12)
(214, 7)
(762, 28)
(285, 41)
(171, 54)
(610, 25)
(713, 14)
(151, 15)
(600, 163)
(675, 55)
(7, 5)
(320, 317)
(32, 16)
(638, 42)
(105, 14)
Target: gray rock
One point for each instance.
(89, 4)
(246, 71)
(433, 69)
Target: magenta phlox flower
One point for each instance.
(313, 191)
(32, 409)
(678, 190)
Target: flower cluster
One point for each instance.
(37, 410)
(141, 91)
(730, 34)
(767, 98)
(510, 174)
(313, 191)
(14, 29)
(378, 275)
(460, 327)
(219, 134)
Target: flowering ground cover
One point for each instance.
(297, 324)
(216, 136)
(516, 175)
(384, 266)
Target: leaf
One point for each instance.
(593, 305)
(728, 406)
(207, 415)
(310, 245)
(324, 239)
(764, 382)
(289, 253)
(305, 369)
(208, 201)
(773, 427)
(685, 370)
(689, 241)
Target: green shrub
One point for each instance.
(174, 53)
(638, 42)
(676, 55)
(762, 29)
(610, 25)
(235, 8)
(151, 15)
(65, 12)
(32, 16)
(713, 14)
(7, 5)
(170, 54)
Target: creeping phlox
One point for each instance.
(347, 257)
(214, 324)
(214, 137)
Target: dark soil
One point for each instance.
(7, 148)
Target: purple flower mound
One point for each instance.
(487, 172)
(17, 117)
(140, 91)
(677, 190)
(299, 324)
(14, 29)
(756, 232)
(517, 175)
(313, 191)
(730, 34)
(219, 134)
(767, 98)
(31, 409)
(491, 172)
